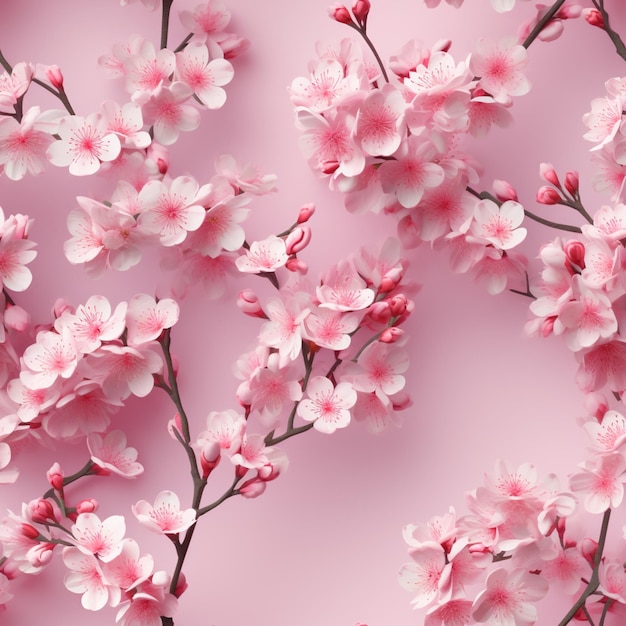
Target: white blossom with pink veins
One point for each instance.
(93, 322)
(87, 578)
(601, 482)
(15, 254)
(99, 538)
(53, 355)
(146, 318)
(225, 428)
(327, 406)
(508, 597)
(206, 78)
(171, 212)
(246, 177)
(608, 435)
(612, 580)
(422, 576)
(500, 68)
(498, 225)
(331, 329)
(129, 569)
(84, 144)
(23, 144)
(263, 256)
(127, 122)
(586, 319)
(207, 21)
(110, 453)
(379, 121)
(603, 120)
(343, 289)
(149, 602)
(14, 85)
(412, 171)
(284, 329)
(252, 452)
(147, 69)
(167, 109)
(165, 515)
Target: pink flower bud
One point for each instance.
(18, 224)
(232, 46)
(398, 304)
(588, 548)
(390, 280)
(210, 458)
(181, 585)
(159, 155)
(41, 511)
(305, 213)
(16, 317)
(593, 17)
(547, 172)
(296, 265)
(391, 335)
(60, 306)
(596, 404)
(380, 312)
(361, 9)
(55, 477)
(89, 505)
(548, 195)
(252, 488)
(571, 182)
(54, 75)
(298, 239)
(504, 191)
(29, 531)
(340, 13)
(569, 11)
(248, 303)
(546, 327)
(401, 401)
(574, 256)
(174, 426)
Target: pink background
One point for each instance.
(323, 544)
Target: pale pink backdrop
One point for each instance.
(322, 546)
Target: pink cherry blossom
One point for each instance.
(379, 121)
(343, 289)
(610, 434)
(147, 69)
(15, 254)
(601, 482)
(93, 322)
(23, 144)
(454, 612)
(147, 605)
(508, 597)
(165, 515)
(603, 120)
(612, 580)
(146, 318)
(422, 576)
(169, 111)
(327, 406)
(412, 171)
(7, 474)
(602, 364)
(53, 355)
(248, 177)
(499, 225)
(172, 211)
(14, 85)
(87, 578)
(566, 570)
(263, 256)
(252, 453)
(224, 427)
(110, 453)
(129, 569)
(99, 538)
(206, 78)
(330, 329)
(85, 143)
(380, 369)
(207, 21)
(500, 68)
(127, 122)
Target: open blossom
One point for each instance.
(147, 318)
(500, 68)
(263, 256)
(99, 538)
(284, 329)
(111, 454)
(53, 355)
(84, 144)
(601, 482)
(327, 406)
(165, 516)
(499, 225)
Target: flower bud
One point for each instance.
(232, 46)
(252, 488)
(181, 585)
(29, 531)
(391, 279)
(159, 155)
(340, 13)
(380, 312)
(361, 9)
(548, 173)
(391, 335)
(547, 326)
(298, 239)
(305, 213)
(210, 458)
(571, 182)
(16, 317)
(55, 477)
(593, 17)
(54, 75)
(596, 404)
(41, 511)
(175, 427)
(588, 548)
(574, 256)
(548, 195)
(89, 505)
(504, 191)
(248, 303)
(398, 304)
(296, 265)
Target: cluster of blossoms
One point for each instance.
(523, 536)
(391, 141)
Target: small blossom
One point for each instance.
(165, 515)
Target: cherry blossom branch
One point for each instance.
(540, 25)
(165, 21)
(594, 581)
(620, 47)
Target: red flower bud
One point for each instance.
(340, 14)
(305, 213)
(593, 17)
(361, 9)
(571, 182)
(548, 173)
(548, 195)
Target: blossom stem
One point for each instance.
(58, 93)
(605, 611)
(84, 471)
(594, 581)
(165, 21)
(368, 41)
(539, 26)
(183, 44)
(620, 47)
